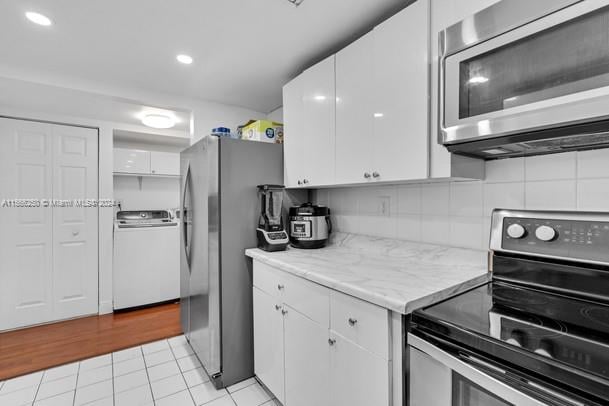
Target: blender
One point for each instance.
(271, 232)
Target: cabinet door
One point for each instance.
(295, 134)
(131, 161)
(357, 377)
(164, 163)
(307, 361)
(309, 115)
(354, 115)
(400, 95)
(268, 343)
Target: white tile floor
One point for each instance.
(163, 373)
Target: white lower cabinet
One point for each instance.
(358, 377)
(316, 346)
(268, 339)
(307, 361)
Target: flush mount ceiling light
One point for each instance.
(296, 2)
(320, 97)
(185, 59)
(158, 121)
(38, 18)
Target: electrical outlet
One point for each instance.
(384, 206)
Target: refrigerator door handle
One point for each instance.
(187, 222)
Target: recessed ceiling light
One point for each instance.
(158, 121)
(378, 115)
(185, 59)
(38, 18)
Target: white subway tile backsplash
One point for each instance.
(551, 167)
(435, 199)
(409, 227)
(593, 194)
(503, 196)
(466, 232)
(593, 164)
(551, 195)
(409, 199)
(466, 199)
(435, 229)
(458, 213)
(505, 170)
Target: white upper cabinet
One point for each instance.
(139, 162)
(131, 161)
(164, 163)
(354, 116)
(309, 115)
(400, 88)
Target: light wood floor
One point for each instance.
(36, 348)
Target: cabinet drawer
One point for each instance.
(268, 279)
(308, 298)
(365, 324)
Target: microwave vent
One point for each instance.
(569, 142)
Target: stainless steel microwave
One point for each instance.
(526, 77)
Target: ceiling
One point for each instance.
(244, 50)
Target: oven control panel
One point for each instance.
(563, 238)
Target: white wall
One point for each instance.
(156, 193)
(458, 213)
(276, 115)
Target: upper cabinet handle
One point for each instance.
(352, 321)
(376, 174)
(306, 181)
(367, 175)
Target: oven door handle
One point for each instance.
(490, 383)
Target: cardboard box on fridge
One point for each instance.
(263, 130)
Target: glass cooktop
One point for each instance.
(555, 327)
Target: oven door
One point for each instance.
(438, 378)
(514, 79)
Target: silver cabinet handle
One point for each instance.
(75, 233)
(376, 174)
(306, 181)
(277, 307)
(284, 312)
(367, 175)
(280, 287)
(331, 341)
(299, 182)
(352, 321)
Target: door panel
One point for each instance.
(268, 343)
(307, 361)
(354, 115)
(75, 277)
(358, 377)
(25, 233)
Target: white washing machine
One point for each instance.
(146, 264)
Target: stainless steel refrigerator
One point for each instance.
(219, 218)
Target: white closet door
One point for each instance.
(75, 277)
(26, 295)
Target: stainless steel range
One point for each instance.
(537, 334)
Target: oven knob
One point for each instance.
(545, 233)
(516, 231)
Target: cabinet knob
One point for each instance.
(153, 171)
(284, 312)
(331, 341)
(75, 233)
(280, 287)
(306, 181)
(376, 175)
(352, 321)
(300, 182)
(277, 307)
(366, 175)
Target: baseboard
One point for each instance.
(105, 307)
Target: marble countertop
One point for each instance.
(401, 276)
